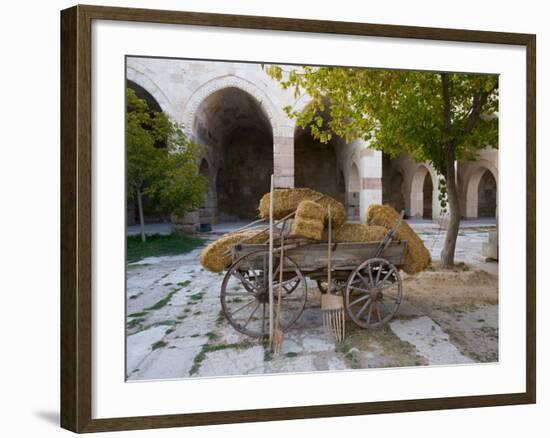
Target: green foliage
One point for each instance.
(160, 245)
(397, 111)
(160, 161)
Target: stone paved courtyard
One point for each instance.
(175, 328)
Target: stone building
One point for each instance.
(236, 111)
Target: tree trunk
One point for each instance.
(448, 251)
(140, 209)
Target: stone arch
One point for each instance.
(472, 187)
(238, 142)
(142, 93)
(417, 191)
(136, 74)
(220, 83)
(301, 103)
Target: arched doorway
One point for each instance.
(142, 93)
(481, 192)
(239, 139)
(427, 197)
(316, 164)
(421, 196)
(392, 184)
(397, 200)
(487, 195)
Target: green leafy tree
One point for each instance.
(161, 162)
(437, 117)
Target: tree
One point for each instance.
(437, 117)
(161, 162)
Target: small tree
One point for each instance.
(435, 117)
(160, 162)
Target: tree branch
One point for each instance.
(446, 105)
(475, 112)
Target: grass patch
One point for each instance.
(160, 245)
(170, 330)
(212, 336)
(221, 317)
(184, 283)
(381, 340)
(134, 323)
(268, 355)
(209, 348)
(160, 304)
(158, 344)
(165, 322)
(137, 314)
(291, 354)
(197, 296)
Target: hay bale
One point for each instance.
(417, 257)
(213, 258)
(309, 220)
(357, 233)
(286, 201)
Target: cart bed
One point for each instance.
(312, 256)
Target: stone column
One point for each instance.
(371, 179)
(283, 156)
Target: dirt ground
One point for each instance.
(464, 302)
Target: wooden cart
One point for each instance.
(366, 274)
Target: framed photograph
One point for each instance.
(270, 218)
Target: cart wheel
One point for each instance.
(373, 293)
(245, 294)
(338, 285)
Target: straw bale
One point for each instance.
(350, 232)
(287, 200)
(309, 228)
(213, 258)
(417, 256)
(310, 210)
(309, 220)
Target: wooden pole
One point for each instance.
(329, 274)
(270, 273)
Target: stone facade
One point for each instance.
(236, 111)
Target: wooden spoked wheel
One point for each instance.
(373, 293)
(245, 293)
